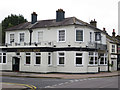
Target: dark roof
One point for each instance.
(51, 23)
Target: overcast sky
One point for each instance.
(105, 12)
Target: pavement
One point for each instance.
(55, 76)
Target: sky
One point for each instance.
(105, 12)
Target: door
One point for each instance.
(15, 64)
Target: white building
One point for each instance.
(119, 18)
(63, 45)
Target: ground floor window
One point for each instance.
(28, 57)
(38, 58)
(93, 58)
(61, 58)
(103, 59)
(49, 58)
(3, 58)
(79, 59)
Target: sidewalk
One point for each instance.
(59, 76)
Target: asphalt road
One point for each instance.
(107, 82)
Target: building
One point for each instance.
(62, 45)
(119, 18)
(112, 44)
(0, 34)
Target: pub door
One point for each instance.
(15, 64)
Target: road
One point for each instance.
(106, 82)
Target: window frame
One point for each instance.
(50, 55)
(78, 57)
(2, 57)
(96, 35)
(61, 56)
(13, 38)
(20, 37)
(76, 36)
(38, 36)
(27, 56)
(58, 40)
(38, 56)
(105, 59)
(113, 48)
(94, 55)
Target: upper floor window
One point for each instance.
(119, 49)
(3, 58)
(79, 35)
(113, 48)
(11, 38)
(22, 36)
(61, 35)
(90, 36)
(40, 36)
(97, 36)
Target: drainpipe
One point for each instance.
(30, 30)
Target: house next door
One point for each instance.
(15, 64)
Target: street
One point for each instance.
(106, 82)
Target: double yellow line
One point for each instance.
(29, 86)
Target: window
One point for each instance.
(38, 58)
(61, 35)
(79, 59)
(49, 59)
(28, 55)
(79, 35)
(40, 36)
(90, 36)
(93, 58)
(11, 38)
(97, 36)
(113, 48)
(119, 49)
(61, 58)
(103, 59)
(3, 58)
(21, 37)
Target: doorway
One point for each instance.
(15, 64)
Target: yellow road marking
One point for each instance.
(30, 86)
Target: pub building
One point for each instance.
(61, 45)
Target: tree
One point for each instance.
(10, 21)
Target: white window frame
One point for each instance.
(26, 56)
(79, 57)
(2, 55)
(105, 56)
(95, 54)
(38, 36)
(50, 55)
(61, 56)
(113, 48)
(19, 36)
(75, 35)
(58, 35)
(38, 56)
(10, 38)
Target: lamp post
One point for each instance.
(30, 30)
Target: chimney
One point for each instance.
(104, 30)
(113, 33)
(33, 18)
(94, 23)
(60, 15)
